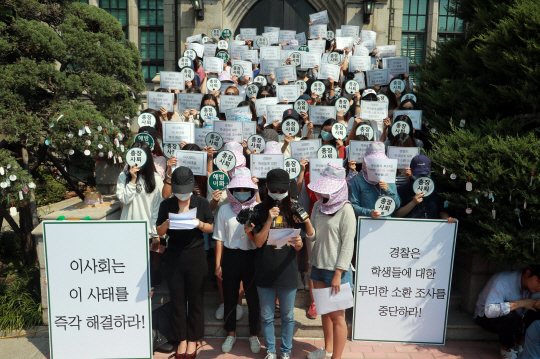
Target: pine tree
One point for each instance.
(70, 79)
(489, 78)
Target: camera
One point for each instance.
(247, 216)
(299, 211)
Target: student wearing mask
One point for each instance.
(235, 257)
(277, 268)
(328, 138)
(364, 193)
(333, 251)
(508, 305)
(185, 261)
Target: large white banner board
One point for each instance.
(97, 289)
(403, 281)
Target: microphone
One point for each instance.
(276, 204)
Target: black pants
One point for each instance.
(186, 271)
(508, 327)
(239, 266)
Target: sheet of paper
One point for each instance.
(281, 237)
(192, 213)
(183, 220)
(327, 303)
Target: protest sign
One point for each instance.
(409, 96)
(223, 55)
(362, 63)
(301, 106)
(396, 65)
(192, 54)
(198, 48)
(250, 56)
(342, 103)
(319, 114)
(214, 140)
(414, 115)
(272, 36)
(343, 42)
(223, 45)
(425, 185)
(400, 126)
(290, 127)
(367, 35)
(227, 102)
(172, 80)
(301, 38)
(268, 66)
(235, 51)
(350, 31)
(246, 65)
(188, 73)
(184, 62)
(194, 160)
(189, 101)
(317, 165)
(216, 33)
(207, 111)
(170, 148)
(288, 93)
(176, 132)
(225, 160)
(373, 110)
(98, 279)
(381, 169)
(317, 45)
(251, 91)
(287, 72)
(261, 164)
(248, 34)
(157, 100)
(365, 129)
(261, 80)
(380, 77)
(310, 60)
(232, 113)
(213, 64)
(319, 17)
(145, 137)
(305, 148)
(318, 87)
(397, 84)
(213, 84)
(387, 51)
(136, 156)
(146, 119)
(200, 136)
(357, 150)
(249, 128)
(218, 181)
(286, 36)
(370, 45)
(194, 38)
(230, 131)
(403, 282)
(293, 167)
(271, 28)
(361, 51)
(330, 35)
(403, 155)
(256, 143)
(275, 112)
(352, 87)
(316, 31)
(261, 103)
(339, 131)
(209, 51)
(327, 151)
(327, 71)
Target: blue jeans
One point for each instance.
(267, 298)
(325, 276)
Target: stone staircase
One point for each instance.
(460, 324)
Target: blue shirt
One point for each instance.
(531, 349)
(364, 195)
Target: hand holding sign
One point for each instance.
(136, 157)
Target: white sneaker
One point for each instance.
(319, 354)
(306, 281)
(220, 312)
(228, 344)
(270, 355)
(285, 356)
(254, 345)
(300, 282)
(519, 348)
(508, 354)
(239, 312)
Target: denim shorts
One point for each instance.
(325, 276)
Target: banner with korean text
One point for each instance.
(97, 287)
(403, 276)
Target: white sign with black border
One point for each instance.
(189, 101)
(268, 66)
(261, 164)
(230, 131)
(287, 72)
(226, 160)
(261, 103)
(357, 151)
(227, 102)
(286, 36)
(305, 149)
(319, 114)
(157, 100)
(275, 112)
(288, 93)
(317, 165)
(176, 132)
(196, 161)
(256, 143)
(172, 80)
(213, 64)
(414, 115)
(378, 77)
(403, 155)
(320, 17)
(373, 110)
(327, 71)
(396, 65)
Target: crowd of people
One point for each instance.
(321, 256)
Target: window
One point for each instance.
(413, 35)
(151, 41)
(118, 9)
(450, 26)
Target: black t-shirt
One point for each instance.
(429, 208)
(185, 238)
(275, 268)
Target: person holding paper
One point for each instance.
(235, 257)
(277, 267)
(364, 193)
(169, 116)
(185, 259)
(332, 253)
(328, 138)
(387, 135)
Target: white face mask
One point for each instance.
(183, 196)
(277, 196)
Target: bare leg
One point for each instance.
(191, 347)
(339, 327)
(328, 329)
(240, 293)
(182, 347)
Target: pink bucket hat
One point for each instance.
(240, 159)
(332, 179)
(233, 146)
(242, 179)
(272, 147)
(224, 76)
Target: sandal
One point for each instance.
(277, 312)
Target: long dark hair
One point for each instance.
(415, 105)
(251, 107)
(200, 180)
(159, 125)
(330, 122)
(403, 140)
(285, 207)
(147, 171)
(169, 114)
(404, 118)
(268, 89)
(209, 96)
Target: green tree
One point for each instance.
(490, 78)
(70, 80)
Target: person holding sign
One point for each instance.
(332, 253)
(364, 193)
(185, 260)
(160, 161)
(416, 203)
(277, 271)
(169, 116)
(328, 138)
(235, 257)
(139, 190)
(387, 135)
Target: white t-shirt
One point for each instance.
(230, 232)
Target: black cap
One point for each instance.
(182, 180)
(290, 113)
(149, 130)
(277, 180)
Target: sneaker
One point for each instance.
(519, 349)
(319, 354)
(239, 312)
(312, 311)
(220, 312)
(285, 356)
(306, 281)
(300, 282)
(254, 345)
(228, 344)
(270, 355)
(508, 354)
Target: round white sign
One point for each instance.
(208, 111)
(146, 119)
(238, 37)
(205, 40)
(301, 106)
(302, 84)
(215, 140)
(136, 156)
(189, 74)
(339, 131)
(327, 151)
(385, 205)
(251, 91)
(424, 184)
(216, 33)
(342, 103)
(397, 84)
(334, 58)
(261, 80)
(184, 62)
(191, 54)
(170, 148)
(409, 96)
(237, 70)
(400, 127)
(144, 137)
(296, 58)
(226, 160)
(222, 45)
(383, 98)
(330, 35)
(213, 84)
(318, 87)
(365, 130)
(293, 168)
(290, 127)
(256, 143)
(351, 87)
(262, 41)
